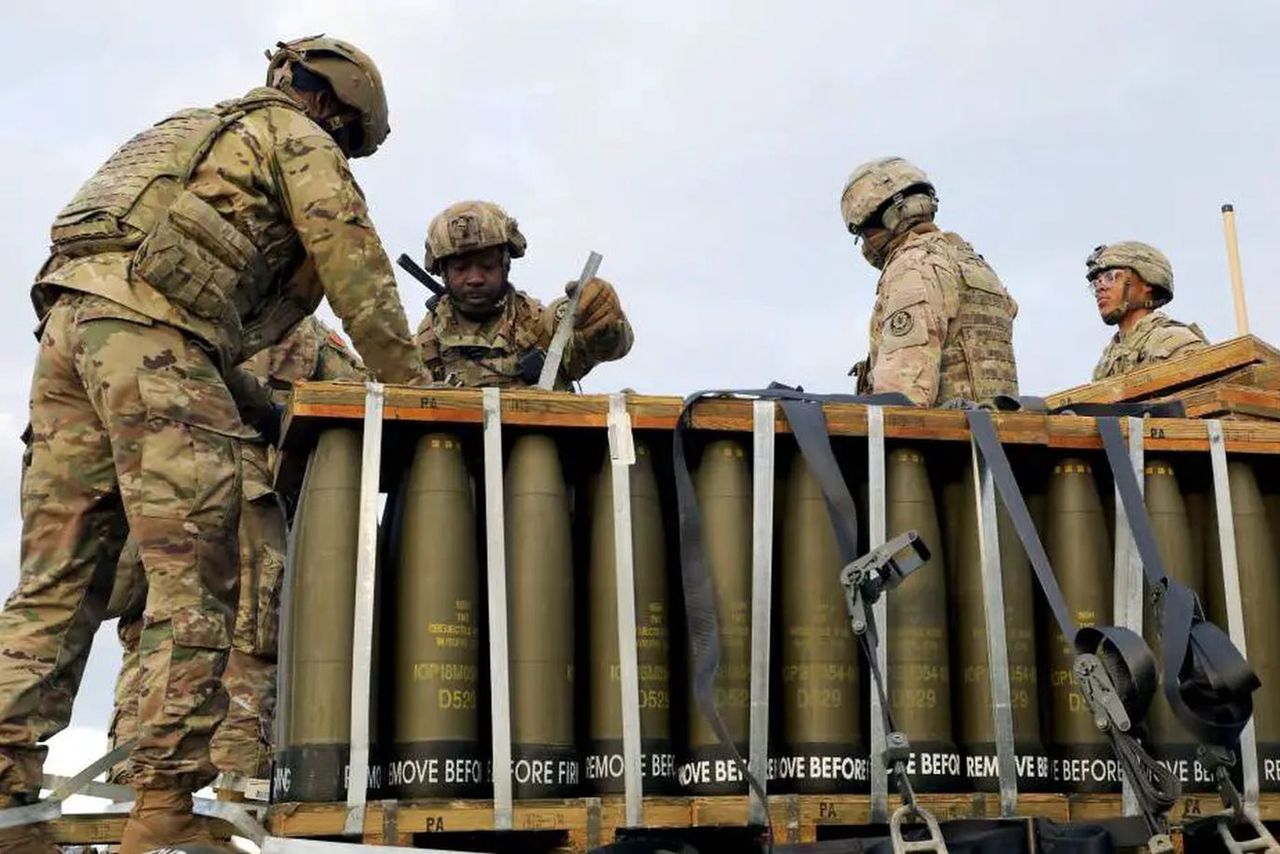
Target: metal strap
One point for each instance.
(876, 524)
(997, 644)
(63, 788)
(362, 631)
(499, 662)
(555, 352)
(622, 456)
(1128, 578)
(284, 634)
(764, 415)
(1235, 601)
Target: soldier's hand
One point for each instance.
(598, 308)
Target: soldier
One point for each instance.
(1130, 281)
(942, 328)
(241, 745)
(484, 332)
(173, 263)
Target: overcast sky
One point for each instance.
(702, 148)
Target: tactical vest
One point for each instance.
(496, 354)
(977, 355)
(137, 201)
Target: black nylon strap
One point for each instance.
(1153, 409)
(1197, 654)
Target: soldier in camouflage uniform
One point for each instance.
(241, 746)
(942, 328)
(1130, 281)
(201, 241)
(484, 332)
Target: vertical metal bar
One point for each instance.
(764, 413)
(1235, 601)
(284, 645)
(876, 522)
(499, 663)
(622, 456)
(997, 645)
(1128, 578)
(362, 634)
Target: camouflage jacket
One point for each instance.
(312, 351)
(942, 327)
(282, 185)
(472, 353)
(1154, 338)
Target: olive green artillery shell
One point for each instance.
(540, 613)
(1256, 512)
(436, 659)
(1171, 524)
(1079, 549)
(312, 760)
(974, 723)
(723, 486)
(919, 669)
(822, 749)
(653, 632)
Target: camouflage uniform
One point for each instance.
(472, 353)
(942, 327)
(131, 416)
(242, 743)
(1154, 338)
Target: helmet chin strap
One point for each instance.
(1112, 318)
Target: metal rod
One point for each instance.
(876, 523)
(997, 644)
(622, 455)
(1235, 601)
(555, 351)
(1233, 262)
(1128, 579)
(499, 663)
(362, 631)
(764, 413)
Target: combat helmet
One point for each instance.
(1147, 261)
(468, 227)
(350, 73)
(877, 182)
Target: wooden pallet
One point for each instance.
(580, 824)
(106, 828)
(1165, 378)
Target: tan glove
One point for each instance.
(598, 308)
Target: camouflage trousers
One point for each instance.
(242, 743)
(133, 430)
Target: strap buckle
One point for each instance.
(879, 571)
(1262, 840)
(917, 815)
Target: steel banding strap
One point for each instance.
(499, 663)
(1235, 601)
(763, 414)
(1127, 578)
(997, 648)
(555, 352)
(51, 807)
(876, 532)
(622, 456)
(362, 630)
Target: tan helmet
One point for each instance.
(468, 227)
(351, 74)
(876, 182)
(1145, 260)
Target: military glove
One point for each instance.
(598, 308)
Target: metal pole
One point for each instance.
(1233, 262)
(499, 663)
(997, 643)
(362, 634)
(1235, 602)
(876, 523)
(764, 413)
(622, 455)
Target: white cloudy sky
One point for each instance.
(702, 148)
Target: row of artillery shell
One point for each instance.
(432, 674)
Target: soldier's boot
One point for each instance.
(25, 838)
(162, 818)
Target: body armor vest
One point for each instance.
(137, 201)
(977, 355)
(504, 351)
